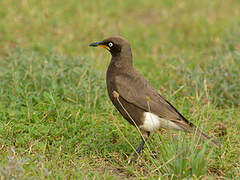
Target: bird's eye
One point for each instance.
(110, 44)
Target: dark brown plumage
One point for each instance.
(133, 96)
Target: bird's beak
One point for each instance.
(99, 44)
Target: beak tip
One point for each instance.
(94, 44)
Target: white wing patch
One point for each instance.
(153, 123)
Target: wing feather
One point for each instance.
(144, 96)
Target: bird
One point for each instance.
(136, 100)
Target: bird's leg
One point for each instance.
(145, 135)
(139, 149)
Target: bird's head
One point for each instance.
(116, 45)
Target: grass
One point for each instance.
(56, 119)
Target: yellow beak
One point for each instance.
(99, 44)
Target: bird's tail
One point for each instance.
(204, 137)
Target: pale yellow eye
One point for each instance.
(110, 44)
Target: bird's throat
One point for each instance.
(121, 62)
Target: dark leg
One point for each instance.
(140, 147)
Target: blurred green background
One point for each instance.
(53, 102)
(175, 28)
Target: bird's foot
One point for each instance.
(138, 152)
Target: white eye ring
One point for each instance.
(110, 44)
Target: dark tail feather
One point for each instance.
(205, 137)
